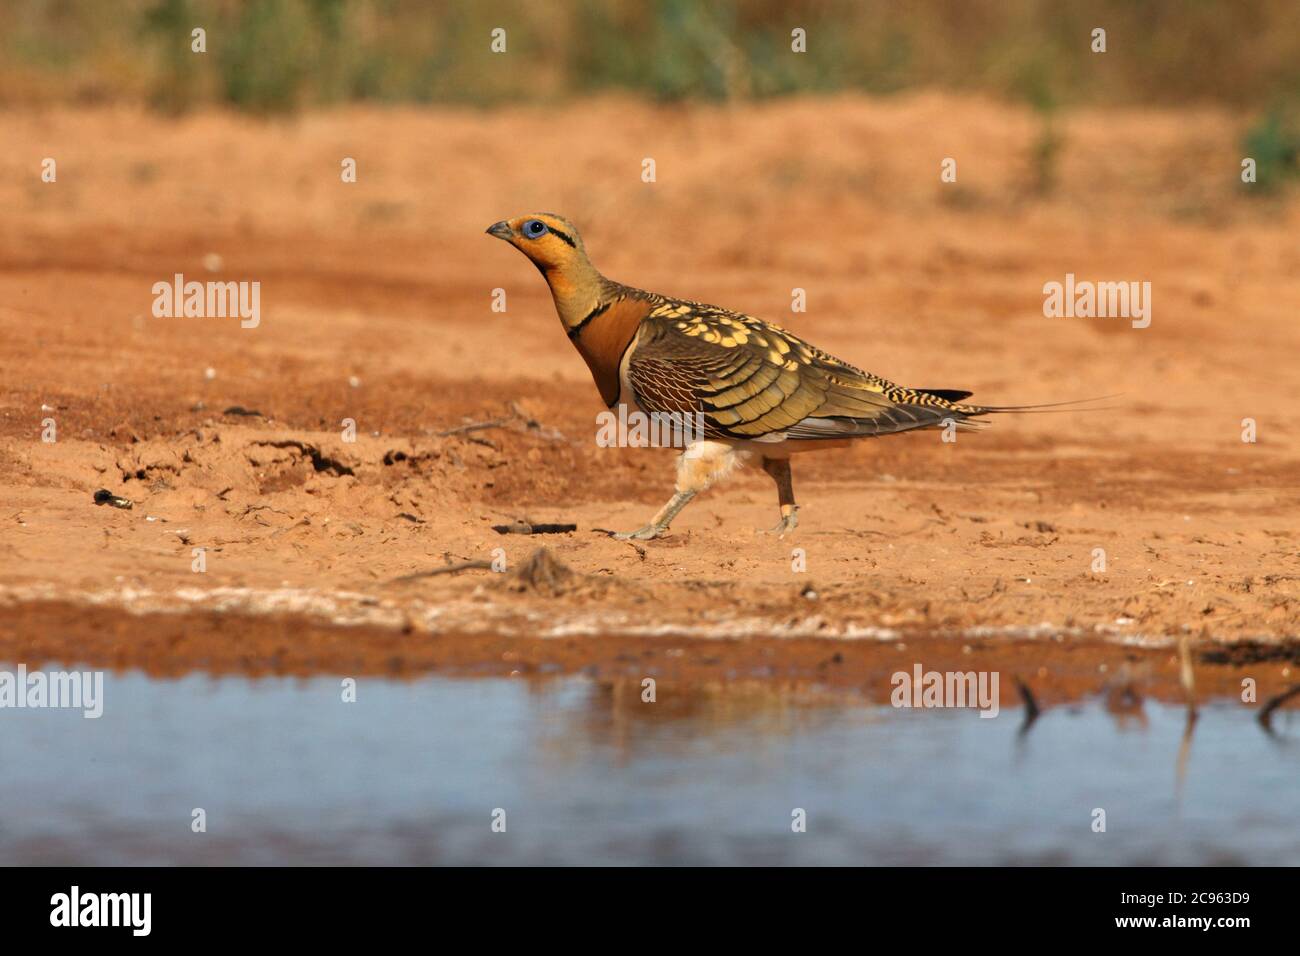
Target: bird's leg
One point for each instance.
(779, 469)
(700, 465)
(660, 522)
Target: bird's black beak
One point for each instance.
(501, 230)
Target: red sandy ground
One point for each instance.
(388, 282)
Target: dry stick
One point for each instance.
(527, 527)
(1266, 712)
(449, 569)
(474, 427)
(517, 414)
(532, 424)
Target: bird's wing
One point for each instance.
(754, 380)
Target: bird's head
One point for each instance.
(550, 241)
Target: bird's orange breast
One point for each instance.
(602, 342)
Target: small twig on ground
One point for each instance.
(998, 588)
(474, 427)
(479, 565)
(533, 426)
(249, 509)
(525, 527)
(517, 415)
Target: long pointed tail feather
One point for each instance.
(1073, 405)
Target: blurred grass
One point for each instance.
(1274, 143)
(271, 56)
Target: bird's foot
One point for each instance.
(787, 524)
(641, 534)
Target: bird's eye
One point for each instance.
(534, 228)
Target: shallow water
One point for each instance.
(588, 773)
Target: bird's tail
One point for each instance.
(866, 413)
(1073, 405)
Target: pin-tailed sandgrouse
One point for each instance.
(757, 389)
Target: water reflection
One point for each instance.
(592, 772)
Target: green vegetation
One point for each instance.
(1274, 144)
(282, 55)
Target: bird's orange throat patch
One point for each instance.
(563, 288)
(602, 337)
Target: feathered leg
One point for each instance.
(699, 466)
